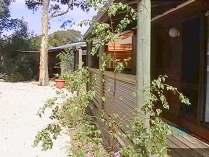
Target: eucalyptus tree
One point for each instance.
(51, 9)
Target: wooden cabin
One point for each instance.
(180, 49)
(79, 50)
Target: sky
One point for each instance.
(33, 19)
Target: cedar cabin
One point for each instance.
(180, 49)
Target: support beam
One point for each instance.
(101, 79)
(143, 50)
(88, 55)
(80, 58)
(207, 75)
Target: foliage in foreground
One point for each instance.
(149, 132)
(70, 111)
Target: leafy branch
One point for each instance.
(152, 140)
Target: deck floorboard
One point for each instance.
(181, 144)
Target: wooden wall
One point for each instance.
(120, 96)
(122, 49)
(54, 67)
(118, 91)
(97, 77)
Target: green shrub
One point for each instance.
(148, 131)
(15, 77)
(71, 112)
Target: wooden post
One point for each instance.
(101, 78)
(80, 60)
(206, 116)
(88, 55)
(134, 41)
(143, 51)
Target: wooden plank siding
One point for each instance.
(120, 97)
(98, 87)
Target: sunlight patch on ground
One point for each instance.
(19, 103)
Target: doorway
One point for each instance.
(191, 48)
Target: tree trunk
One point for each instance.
(43, 70)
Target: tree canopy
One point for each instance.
(6, 22)
(56, 6)
(16, 65)
(4, 10)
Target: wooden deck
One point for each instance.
(181, 144)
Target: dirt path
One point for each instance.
(19, 103)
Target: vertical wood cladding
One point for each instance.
(98, 87)
(119, 93)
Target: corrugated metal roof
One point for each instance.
(67, 46)
(52, 49)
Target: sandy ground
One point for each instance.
(19, 103)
